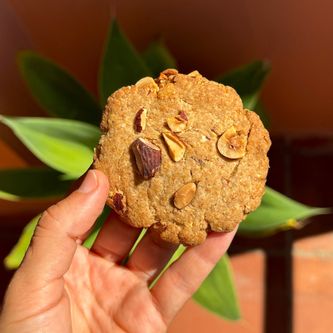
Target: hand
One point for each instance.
(63, 287)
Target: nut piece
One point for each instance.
(140, 120)
(167, 75)
(176, 147)
(148, 82)
(170, 71)
(183, 115)
(178, 124)
(194, 74)
(184, 195)
(232, 143)
(119, 201)
(148, 157)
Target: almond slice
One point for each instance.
(176, 147)
(149, 83)
(184, 195)
(178, 123)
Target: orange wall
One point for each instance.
(211, 35)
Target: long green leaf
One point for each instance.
(276, 212)
(247, 80)
(64, 145)
(217, 293)
(56, 90)
(16, 184)
(138, 240)
(157, 57)
(260, 110)
(121, 64)
(88, 243)
(16, 255)
(177, 254)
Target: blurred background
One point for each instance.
(286, 283)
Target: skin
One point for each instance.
(63, 287)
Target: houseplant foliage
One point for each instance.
(64, 142)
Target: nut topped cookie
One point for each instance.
(182, 156)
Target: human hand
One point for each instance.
(63, 287)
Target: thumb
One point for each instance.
(62, 227)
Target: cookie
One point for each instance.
(182, 156)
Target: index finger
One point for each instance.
(185, 276)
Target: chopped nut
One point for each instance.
(178, 124)
(167, 76)
(232, 143)
(176, 147)
(149, 83)
(183, 115)
(118, 201)
(194, 74)
(140, 120)
(148, 157)
(184, 195)
(170, 71)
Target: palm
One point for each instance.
(95, 295)
(104, 297)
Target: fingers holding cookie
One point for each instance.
(150, 257)
(115, 239)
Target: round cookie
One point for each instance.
(182, 156)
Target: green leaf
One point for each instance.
(16, 184)
(276, 212)
(262, 113)
(177, 254)
(64, 145)
(217, 293)
(88, 243)
(158, 58)
(57, 91)
(247, 80)
(138, 240)
(121, 64)
(16, 255)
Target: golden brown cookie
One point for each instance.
(182, 156)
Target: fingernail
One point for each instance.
(89, 183)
